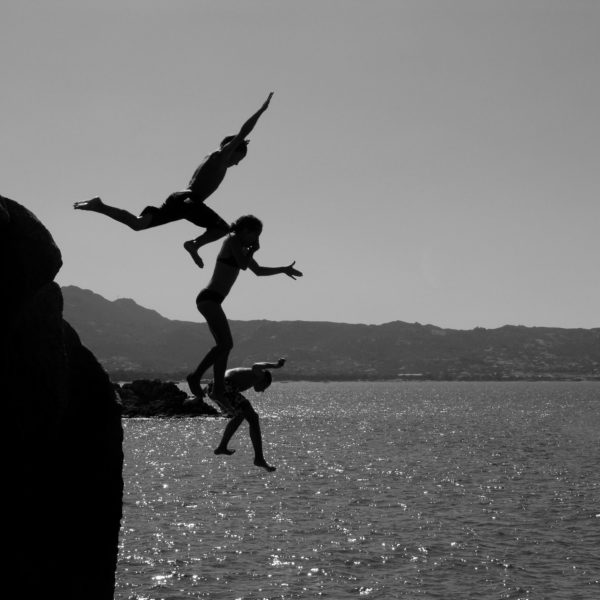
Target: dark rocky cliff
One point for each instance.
(63, 430)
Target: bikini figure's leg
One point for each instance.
(216, 356)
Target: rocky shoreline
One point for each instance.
(156, 398)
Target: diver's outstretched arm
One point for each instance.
(246, 128)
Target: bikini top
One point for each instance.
(228, 260)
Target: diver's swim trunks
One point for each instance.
(175, 208)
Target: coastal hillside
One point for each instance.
(132, 342)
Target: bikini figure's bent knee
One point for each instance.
(221, 348)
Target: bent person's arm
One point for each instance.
(269, 365)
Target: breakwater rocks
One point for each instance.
(155, 398)
(63, 472)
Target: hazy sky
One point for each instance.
(430, 161)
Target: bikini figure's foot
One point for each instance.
(221, 400)
(227, 451)
(93, 204)
(263, 464)
(192, 250)
(195, 387)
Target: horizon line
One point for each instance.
(416, 323)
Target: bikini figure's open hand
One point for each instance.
(291, 272)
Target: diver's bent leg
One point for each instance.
(210, 235)
(191, 249)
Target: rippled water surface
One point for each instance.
(382, 490)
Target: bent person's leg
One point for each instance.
(230, 430)
(256, 438)
(117, 214)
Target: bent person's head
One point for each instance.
(240, 151)
(264, 383)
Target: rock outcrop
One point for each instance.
(64, 462)
(145, 398)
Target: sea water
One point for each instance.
(382, 490)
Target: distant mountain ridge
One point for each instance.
(132, 342)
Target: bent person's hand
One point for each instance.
(291, 272)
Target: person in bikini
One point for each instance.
(189, 204)
(237, 253)
(237, 381)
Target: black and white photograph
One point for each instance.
(300, 299)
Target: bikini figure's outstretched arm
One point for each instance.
(261, 271)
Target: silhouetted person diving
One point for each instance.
(189, 204)
(237, 253)
(237, 381)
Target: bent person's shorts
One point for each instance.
(235, 398)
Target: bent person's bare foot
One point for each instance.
(193, 252)
(220, 399)
(93, 204)
(263, 464)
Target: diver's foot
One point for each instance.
(263, 463)
(94, 204)
(227, 451)
(194, 385)
(192, 250)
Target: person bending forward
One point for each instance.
(237, 381)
